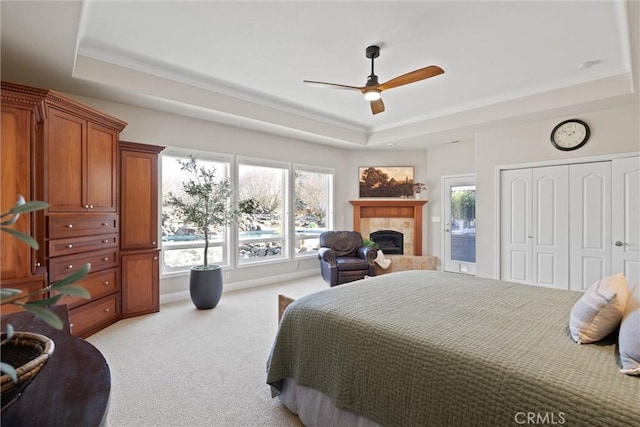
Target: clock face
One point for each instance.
(570, 135)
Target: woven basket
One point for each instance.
(27, 353)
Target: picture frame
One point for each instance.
(385, 181)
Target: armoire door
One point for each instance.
(15, 154)
(64, 162)
(625, 212)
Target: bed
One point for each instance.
(440, 349)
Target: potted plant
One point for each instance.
(418, 187)
(205, 205)
(369, 243)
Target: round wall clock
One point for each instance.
(570, 135)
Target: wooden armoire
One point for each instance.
(57, 150)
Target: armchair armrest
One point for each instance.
(327, 255)
(368, 254)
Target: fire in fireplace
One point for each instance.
(389, 241)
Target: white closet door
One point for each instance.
(625, 214)
(515, 216)
(550, 227)
(589, 223)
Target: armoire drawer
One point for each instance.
(95, 315)
(74, 225)
(61, 267)
(74, 245)
(97, 284)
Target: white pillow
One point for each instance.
(629, 337)
(599, 311)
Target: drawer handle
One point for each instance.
(69, 246)
(37, 264)
(106, 282)
(69, 225)
(104, 224)
(105, 241)
(70, 266)
(153, 243)
(86, 206)
(105, 259)
(155, 258)
(107, 310)
(90, 206)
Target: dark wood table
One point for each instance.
(73, 387)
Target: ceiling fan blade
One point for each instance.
(377, 106)
(412, 77)
(331, 85)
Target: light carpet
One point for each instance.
(189, 367)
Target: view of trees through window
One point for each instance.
(182, 247)
(312, 208)
(262, 194)
(263, 229)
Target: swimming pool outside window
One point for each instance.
(263, 228)
(182, 248)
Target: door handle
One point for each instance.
(619, 243)
(446, 230)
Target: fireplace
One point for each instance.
(390, 242)
(403, 215)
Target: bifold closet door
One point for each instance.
(625, 213)
(515, 217)
(534, 231)
(590, 223)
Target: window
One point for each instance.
(313, 207)
(181, 247)
(262, 195)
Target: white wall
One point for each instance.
(612, 131)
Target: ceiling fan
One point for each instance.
(372, 89)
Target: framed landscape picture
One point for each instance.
(386, 181)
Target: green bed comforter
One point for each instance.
(440, 349)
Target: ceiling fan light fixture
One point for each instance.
(372, 95)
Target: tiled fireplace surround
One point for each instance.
(403, 215)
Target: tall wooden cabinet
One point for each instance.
(139, 228)
(68, 152)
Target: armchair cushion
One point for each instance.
(351, 264)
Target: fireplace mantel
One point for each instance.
(391, 208)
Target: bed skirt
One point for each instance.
(316, 409)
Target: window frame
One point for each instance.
(284, 255)
(226, 241)
(330, 205)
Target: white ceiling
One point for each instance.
(243, 63)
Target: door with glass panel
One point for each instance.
(459, 224)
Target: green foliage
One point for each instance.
(463, 205)
(38, 307)
(207, 200)
(369, 243)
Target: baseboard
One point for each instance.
(235, 286)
